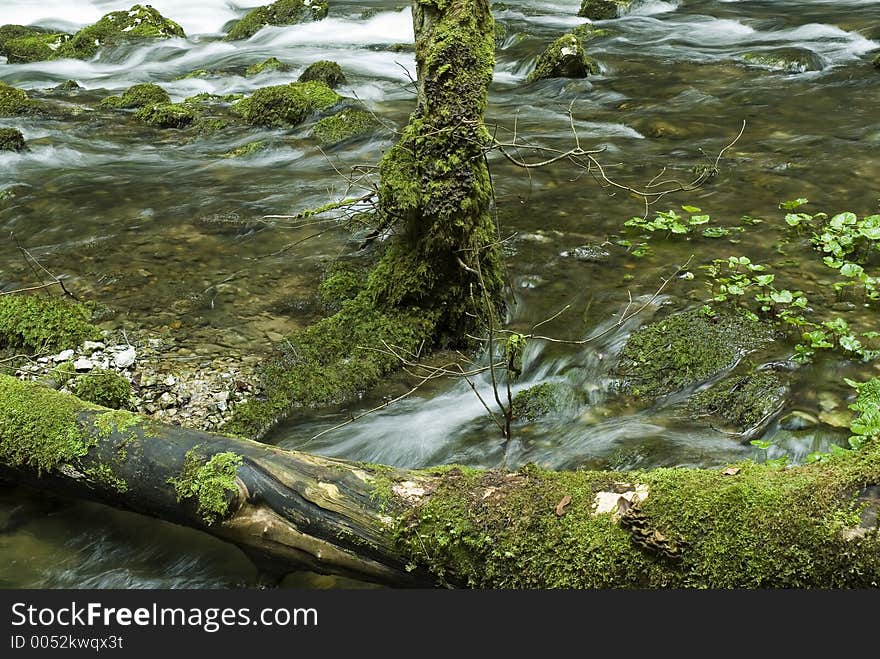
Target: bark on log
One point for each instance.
(749, 526)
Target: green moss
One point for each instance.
(206, 99)
(600, 10)
(330, 73)
(685, 349)
(743, 401)
(345, 125)
(167, 115)
(564, 58)
(138, 96)
(866, 425)
(271, 64)
(331, 361)
(103, 387)
(876, 61)
(282, 12)
(344, 281)
(537, 401)
(118, 27)
(39, 427)
(15, 102)
(211, 482)
(104, 475)
(116, 421)
(12, 140)
(35, 322)
(67, 86)
(286, 105)
(789, 60)
(34, 47)
(762, 527)
(246, 150)
(588, 32)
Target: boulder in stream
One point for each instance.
(21, 44)
(283, 12)
(286, 105)
(564, 58)
(15, 102)
(786, 60)
(271, 64)
(138, 96)
(345, 125)
(599, 10)
(12, 140)
(116, 28)
(167, 115)
(330, 73)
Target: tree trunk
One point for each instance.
(749, 526)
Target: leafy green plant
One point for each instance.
(670, 221)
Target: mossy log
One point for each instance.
(746, 526)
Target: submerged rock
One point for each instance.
(685, 349)
(588, 32)
(588, 253)
(745, 402)
(21, 44)
(167, 115)
(564, 58)
(118, 27)
(599, 10)
(330, 73)
(138, 96)
(876, 61)
(538, 401)
(285, 105)
(345, 125)
(67, 86)
(271, 64)
(788, 60)
(282, 12)
(245, 150)
(12, 140)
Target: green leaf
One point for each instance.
(765, 280)
(869, 227)
(851, 270)
(762, 444)
(699, 219)
(781, 297)
(796, 203)
(842, 220)
(691, 209)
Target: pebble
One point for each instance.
(63, 356)
(83, 364)
(125, 358)
(92, 346)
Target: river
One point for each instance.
(168, 232)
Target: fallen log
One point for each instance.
(747, 526)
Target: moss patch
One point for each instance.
(39, 427)
(36, 322)
(15, 102)
(330, 73)
(285, 105)
(211, 482)
(138, 96)
(12, 140)
(246, 150)
(283, 12)
(600, 10)
(345, 125)
(564, 58)
(103, 387)
(271, 64)
(687, 348)
(743, 401)
(537, 401)
(21, 44)
(118, 27)
(762, 527)
(167, 115)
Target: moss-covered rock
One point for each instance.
(206, 98)
(102, 387)
(119, 27)
(588, 32)
(330, 73)
(138, 96)
(67, 86)
(15, 102)
(36, 322)
(167, 115)
(600, 10)
(345, 125)
(535, 402)
(271, 64)
(12, 140)
(685, 349)
(22, 44)
(788, 60)
(876, 61)
(286, 105)
(246, 149)
(744, 402)
(564, 58)
(282, 12)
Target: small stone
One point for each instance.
(83, 364)
(63, 356)
(836, 419)
(170, 381)
(167, 401)
(43, 360)
(125, 358)
(92, 346)
(798, 420)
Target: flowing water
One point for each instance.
(167, 231)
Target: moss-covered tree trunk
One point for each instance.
(435, 187)
(441, 272)
(747, 526)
